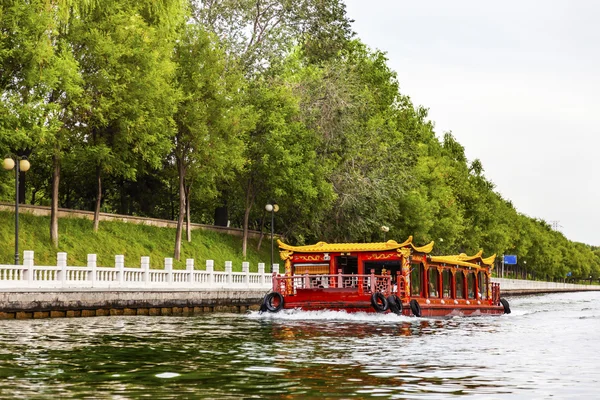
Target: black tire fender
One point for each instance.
(415, 308)
(379, 302)
(270, 304)
(395, 304)
(506, 306)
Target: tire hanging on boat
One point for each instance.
(379, 302)
(415, 308)
(395, 304)
(506, 306)
(273, 306)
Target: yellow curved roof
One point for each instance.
(323, 247)
(465, 260)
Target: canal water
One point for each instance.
(549, 347)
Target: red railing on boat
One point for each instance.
(495, 293)
(287, 285)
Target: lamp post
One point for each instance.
(384, 229)
(272, 208)
(19, 164)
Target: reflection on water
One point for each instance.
(530, 353)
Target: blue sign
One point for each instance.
(569, 273)
(510, 260)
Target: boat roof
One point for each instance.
(466, 261)
(473, 261)
(324, 247)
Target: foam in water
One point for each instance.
(328, 315)
(167, 375)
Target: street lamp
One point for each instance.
(19, 164)
(384, 229)
(272, 208)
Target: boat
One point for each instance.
(386, 277)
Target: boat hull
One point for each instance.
(350, 300)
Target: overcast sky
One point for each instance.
(517, 83)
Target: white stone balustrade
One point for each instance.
(62, 276)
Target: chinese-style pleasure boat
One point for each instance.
(384, 277)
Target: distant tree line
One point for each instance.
(208, 110)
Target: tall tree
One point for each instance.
(125, 116)
(261, 33)
(38, 75)
(210, 118)
(281, 160)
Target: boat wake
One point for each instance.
(328, 315)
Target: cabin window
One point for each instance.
(434, 282)
(483, 285)
(446, 283)
(460, 285)
(416, 279)
(471, 285)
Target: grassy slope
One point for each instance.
(133, 241)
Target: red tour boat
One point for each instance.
(384, 277)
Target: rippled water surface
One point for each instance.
(549, 347)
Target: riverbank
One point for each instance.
(516, 287)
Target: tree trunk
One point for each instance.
(181, 169)
(248, 207)
(262, 227)
(98, 199)
(54, 208)
(188, 226)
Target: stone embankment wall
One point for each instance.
(89, 303)
(515, 287)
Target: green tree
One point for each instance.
(280, 154)
(124, 118)
(210, 119)
(38, 74)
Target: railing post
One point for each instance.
(91, 263)
(61, 262)
(373, 286)
(28, 264)
(145, 263)
(120, 267)
(189, 267)
(246, 271)
(169, 269)
(228, 269)
(340, 279)
(210, 268)
(276, 268)
(261, 273)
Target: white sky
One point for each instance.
(517, 83)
